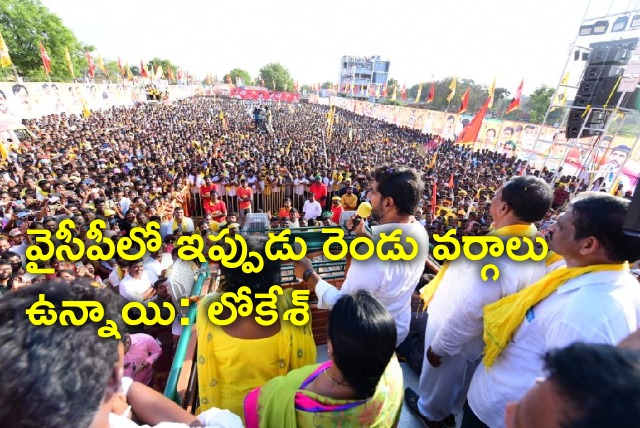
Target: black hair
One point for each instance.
(602, 215)
(528, 197)
(363, 335)
(260, 282)
(402, 184)
(600, 382)
(52, 375)
(16, 88)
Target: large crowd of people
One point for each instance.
(204, 164)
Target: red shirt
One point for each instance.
(337, 212)
(205, 190)
(244, 193)
(210, 207)
(319, 190)
(284, 213)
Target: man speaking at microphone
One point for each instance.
(395, 194)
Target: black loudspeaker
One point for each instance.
(599, 86)
(631, 224)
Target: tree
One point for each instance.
(135, 70)
(242, 74)
(276, 74)
(327, 85)
(165, 63)
(539, 103)
(26, 23)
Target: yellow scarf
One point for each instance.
(503, 317)
(427, 292)
(174, 226)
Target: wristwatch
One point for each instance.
(307, 273)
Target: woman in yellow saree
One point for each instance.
(234, 359)
(362, 385)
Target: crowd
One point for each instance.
(200, 165)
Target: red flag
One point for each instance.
(403, 92)
(515, 102)
(46, 61)
(384, 90)
(295, 86)
(143, 70)
(170, 72)
(120, 66)
(470, 132)
(179, 74)
(451, 181)
(372, 90)
(92, 66)
(432, 93)
(465, 102)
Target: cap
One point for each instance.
(335, 198)
(109, 213)
(15, 232)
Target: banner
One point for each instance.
(35, 99)
(263, 95)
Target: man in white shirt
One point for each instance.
(597, 300)
(179, 221)
(136, 286)
(312, 208)
(576, 375)
(395, 195)
(299, 187)
(125, 203)
(457, 296)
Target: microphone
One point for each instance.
(364, 211)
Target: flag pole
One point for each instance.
(495, 148)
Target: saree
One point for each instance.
(284, 402)
(229, 367)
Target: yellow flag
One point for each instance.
(221, 115)
(129, 73)
(3, 151)
(102, 67)
(395, 93)
(5, 59)
(159, 72)
(419, 93)
(85, 110)
(560, 98)
(492, 91)
(452, 87)
(67, 57)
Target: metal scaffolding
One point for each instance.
(594, 146)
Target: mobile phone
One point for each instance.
(79, 265)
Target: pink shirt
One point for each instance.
(143, 348)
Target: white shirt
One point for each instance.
(311, 209)
(125, 204)
(167, 227)
(299, 185)
(456, 308)
(599, 307)
(212, 418)
(114, 279)
(391, 282)
(132, 289)
(153, 266)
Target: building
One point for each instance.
(363, 78)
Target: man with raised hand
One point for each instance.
(457, 295)
(595, 299)
(395, 194)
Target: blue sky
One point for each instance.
(508, 39)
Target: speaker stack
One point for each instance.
(605, 65)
